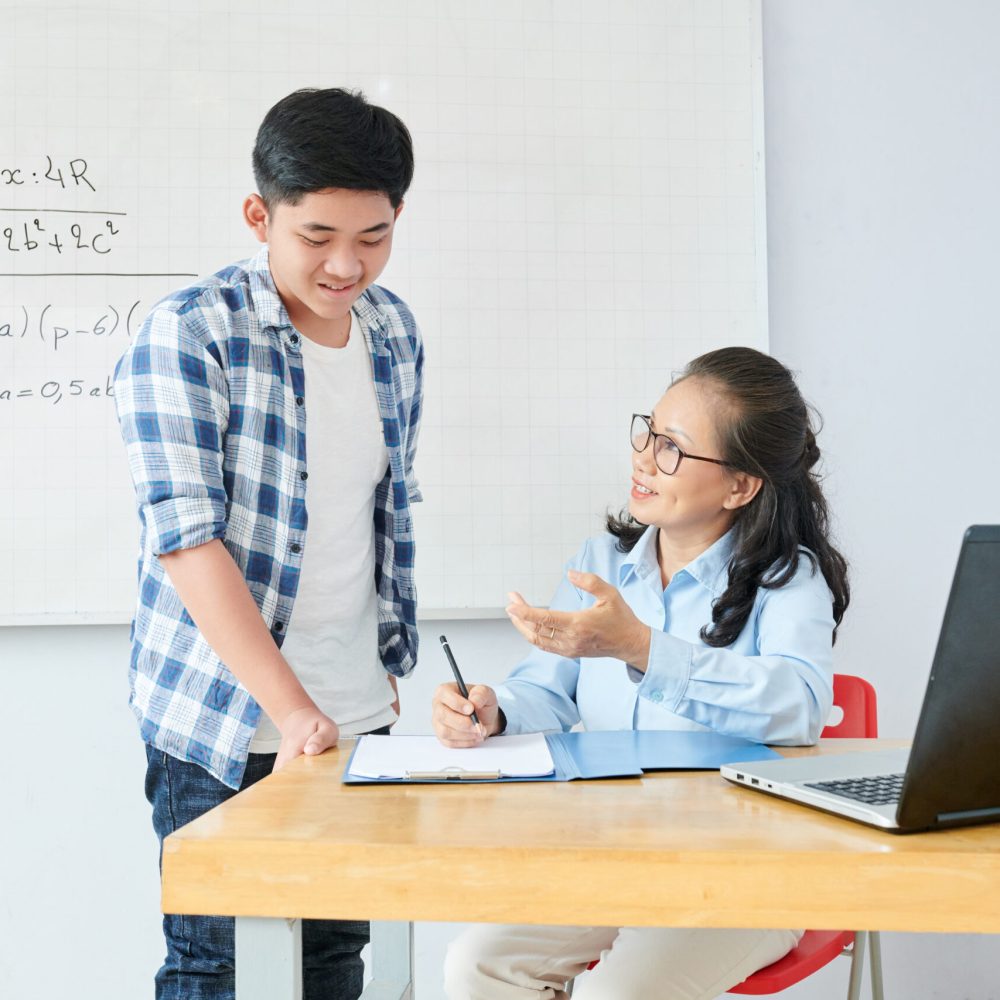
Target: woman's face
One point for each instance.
(698, 501)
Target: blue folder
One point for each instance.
(611, 754)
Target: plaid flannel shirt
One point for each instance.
(212, 405)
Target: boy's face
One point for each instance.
(324, 252)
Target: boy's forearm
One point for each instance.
(215, 594)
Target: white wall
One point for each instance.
(883, 216)
(883, 223)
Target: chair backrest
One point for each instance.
(856, 698)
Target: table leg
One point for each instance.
(857, 965)
(268, 958)
(392, 962)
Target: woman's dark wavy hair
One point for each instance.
(764, 429)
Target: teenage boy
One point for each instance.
(270, 414)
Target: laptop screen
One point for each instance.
(953, 774)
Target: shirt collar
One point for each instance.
(641, 561)
(710, 569)
(272, 312)
(266, 300)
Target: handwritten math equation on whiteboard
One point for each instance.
(37, 228)
(71, 296)
(33, 173)
(56, 327)
(55, 392)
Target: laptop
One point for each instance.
(950, 776)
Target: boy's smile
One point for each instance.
(323, 253)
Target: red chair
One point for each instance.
(856, 699)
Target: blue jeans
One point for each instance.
(199, 963)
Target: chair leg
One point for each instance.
(857, 965)
(875, 947)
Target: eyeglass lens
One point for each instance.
(665, 453)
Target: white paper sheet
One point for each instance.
(524, 756)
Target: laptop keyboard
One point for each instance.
(879, 790)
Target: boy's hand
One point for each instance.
(451, 715)
(305, 730)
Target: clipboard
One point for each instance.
(600, 754)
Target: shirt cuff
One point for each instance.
(666, 679)
(183, 523)
(506, 702)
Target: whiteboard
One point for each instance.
(587, 215)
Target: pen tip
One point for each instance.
(443, 640)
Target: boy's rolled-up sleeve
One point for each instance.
(173, 409)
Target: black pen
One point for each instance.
(458, 676)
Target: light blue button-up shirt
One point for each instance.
(773, 684)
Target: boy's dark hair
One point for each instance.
(764, 428)
(313, 140)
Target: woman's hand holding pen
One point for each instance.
(451, 715)
(608, 628)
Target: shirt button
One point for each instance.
(299, 400)
(278, 626)
(296, 547)
(656, 696)
(303, 475)
(293, 339)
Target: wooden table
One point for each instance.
(682, 849)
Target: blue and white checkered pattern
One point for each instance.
(211, 402)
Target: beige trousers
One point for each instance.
(522, 962)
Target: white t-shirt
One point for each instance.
(332, 638)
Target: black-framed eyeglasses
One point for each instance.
(666, 452)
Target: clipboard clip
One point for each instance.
(453, 774)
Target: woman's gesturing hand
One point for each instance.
(608, 628)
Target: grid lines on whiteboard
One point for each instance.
(580, 225)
